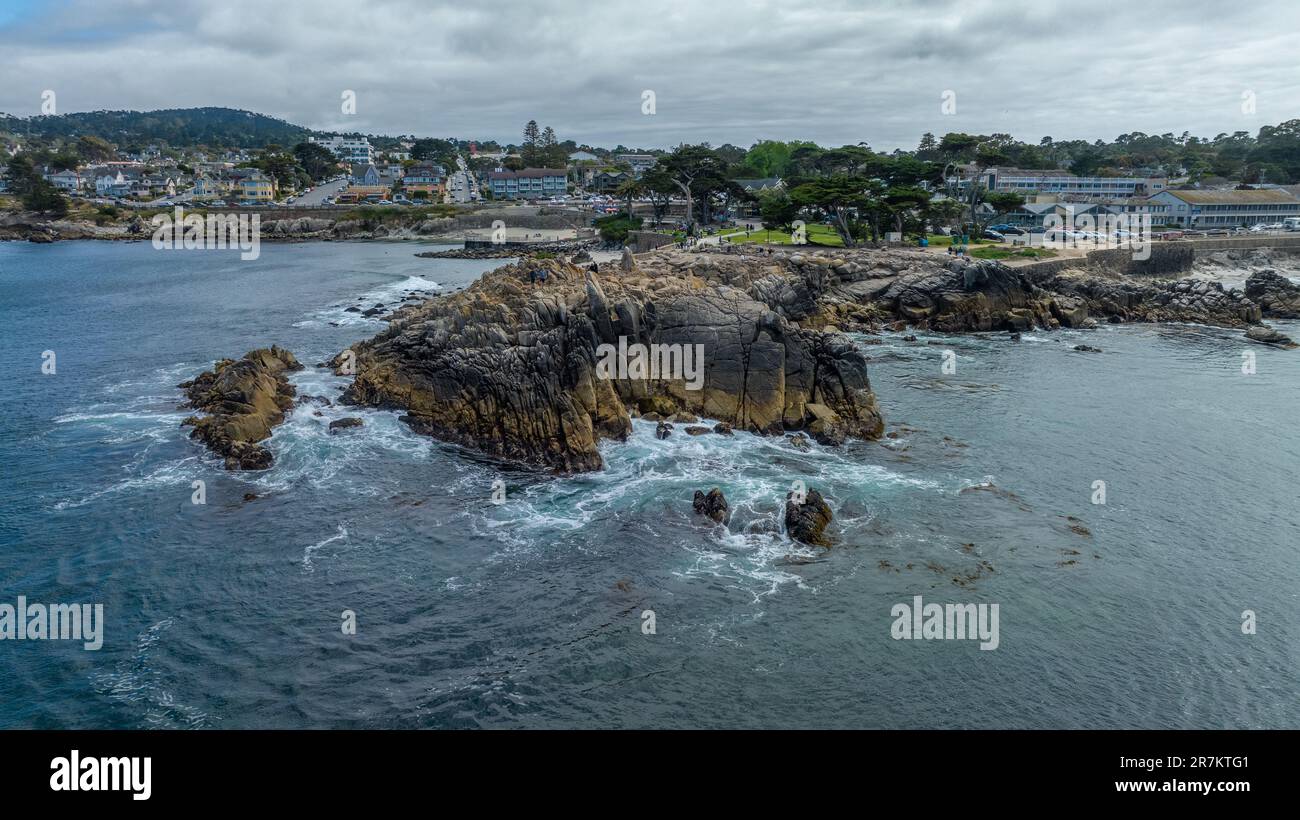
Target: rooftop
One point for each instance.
(1251, 197)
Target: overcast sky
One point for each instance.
(830, 71)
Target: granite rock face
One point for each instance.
(806, 519)
(541, 373)
(244, 399)
(1277, 296)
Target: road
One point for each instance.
(320, 192)
(461, 185)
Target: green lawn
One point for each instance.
(938, 240)
(1012, 253)
(818, 234)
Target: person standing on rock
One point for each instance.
(532, 276)
(541, 276)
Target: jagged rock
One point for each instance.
(1087, 349)
(1277, 296)
(513, 370)
(250, 496)
(696, 430)
(684, 418)
(659, 405)
(1264, 334)
(722, 429)
(799, 441)
(244, 400)
(344, 424)
(825, 427)
(627, 262)
(713, 504)
(806, 522)
(663, 430)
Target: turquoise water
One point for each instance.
(530, 613)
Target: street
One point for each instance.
(319, 193)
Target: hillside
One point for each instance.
(177, 127)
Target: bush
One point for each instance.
(614, 229)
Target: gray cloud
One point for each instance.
(833, 71)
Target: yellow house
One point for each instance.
(256, 187)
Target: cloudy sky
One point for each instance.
(833, 71)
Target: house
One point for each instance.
(365, 174)
(205, 188)
(255, 186)
(754, 187)
(608, 181)
(68, 181)
(530, 183)
(426, 178)
(115, 184)
(1205, 209)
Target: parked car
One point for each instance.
(218, 203)
(995, 236)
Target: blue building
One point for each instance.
(530, 183)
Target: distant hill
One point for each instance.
(178, 127)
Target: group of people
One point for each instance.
(957, 250)
(537, 275)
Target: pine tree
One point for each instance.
(531, 140)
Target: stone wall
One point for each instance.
(642, 241)
(1167, 259)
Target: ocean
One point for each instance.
(532, 613)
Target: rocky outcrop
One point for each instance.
(712, 504)
(507, 250)
(866, 289)
(344, 424)
(512, 369)
(1277, 296)
(986, 295)
(1266, 335)
(806, 519)
(245, 399)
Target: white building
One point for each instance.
(353, 150)
(1065, 183)
(1226, 209)
(640, 162)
